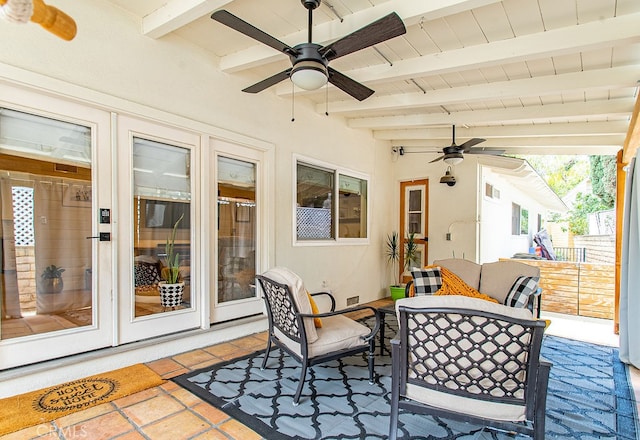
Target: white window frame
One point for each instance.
(337, 171)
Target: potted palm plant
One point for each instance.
(171, 287)
(51, 279)
(392, 252)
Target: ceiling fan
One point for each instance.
(452, 155)
(310, 62)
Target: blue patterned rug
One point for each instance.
(589, 397)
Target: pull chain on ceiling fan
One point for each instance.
(310, 61)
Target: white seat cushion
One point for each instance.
(463, 302)
(337, 332)
(284, 275)
(481, 408)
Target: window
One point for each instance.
(519, 220)
(331, 204)
(491, 192)
(524, 221)
(515, 219)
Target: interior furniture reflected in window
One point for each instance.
(237, 229)
(331, 204)
(162, 200)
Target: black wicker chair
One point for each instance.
(295, 332)
(468, 359)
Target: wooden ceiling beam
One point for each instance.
(177, 13)
(542, 114)
(410, 11)
(632, 141)
(616, 77)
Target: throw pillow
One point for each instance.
(520, 291)
(145, 274)
(314, 309)
(426, 281)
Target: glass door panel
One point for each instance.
(46, 222)
(236, 229)
(237, 208)
(161, 212)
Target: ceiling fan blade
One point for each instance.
(483, 151)
(228, 19)
(437, 159)
(470, 143)
(268, 82)
(348, 85)
(384, 29)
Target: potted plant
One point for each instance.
(392, 252)
(51, 280)
(410, 251)
(171, 287)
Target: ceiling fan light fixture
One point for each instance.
(453, 159)
(309, 75)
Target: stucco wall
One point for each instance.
(451, 208)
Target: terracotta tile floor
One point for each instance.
(167, 411)
(164, 412)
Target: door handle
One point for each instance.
(104, 236)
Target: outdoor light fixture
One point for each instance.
(309, 75)
(453, 158)
(448, 178)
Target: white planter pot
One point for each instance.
(170, 294)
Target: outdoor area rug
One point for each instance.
(29, 409)
(589, 397)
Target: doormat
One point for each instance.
(35, 407)
(589, 397)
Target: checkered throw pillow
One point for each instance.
(519, 294)
(426, 281)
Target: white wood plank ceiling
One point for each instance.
(530, 76)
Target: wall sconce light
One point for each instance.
(448, 178)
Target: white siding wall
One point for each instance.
(496, 239)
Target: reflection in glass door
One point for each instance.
(45, 207)
(236, 229)
(162, 227)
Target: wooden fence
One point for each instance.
(583, 289)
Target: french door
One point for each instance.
(157, 176)
(56, 277)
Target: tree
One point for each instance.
(584, 205)
(603, 179)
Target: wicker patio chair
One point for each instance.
(292, 325)
(469, 359)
